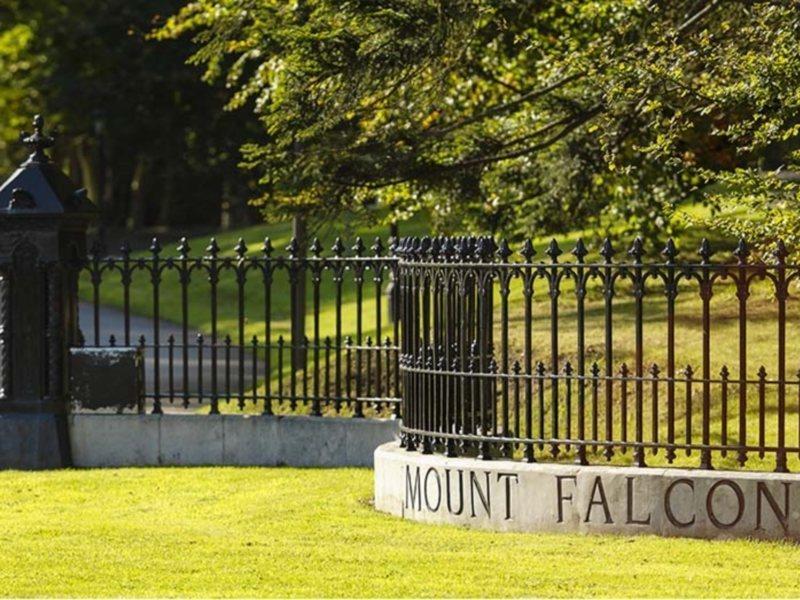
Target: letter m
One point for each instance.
(413, 489)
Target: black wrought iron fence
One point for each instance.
(599, 360)
(251, 330)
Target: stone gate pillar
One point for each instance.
(43, 220)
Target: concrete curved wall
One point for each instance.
(540, 497)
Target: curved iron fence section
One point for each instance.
(519, 358)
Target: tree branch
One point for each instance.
(502, 108)
(568, 128)
(688, 23)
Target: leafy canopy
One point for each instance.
(503, 113)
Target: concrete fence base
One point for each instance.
(514, 496)
(111, 440)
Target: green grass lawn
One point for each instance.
(251, 532)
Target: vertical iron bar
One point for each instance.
(671, 292)
(654, 372)
(126, 292)
(636, 253)
(171, 367)
(607, 252)
(595, 403)
(377, 279)
(327, 370)
(568, 374)
(348, 342)
(580, 294)
(338, 269)
(241, 279)
(742, 293)
(280, 370)
(213, 279)
(358, 278)
(623, 407)
(527, 290)
(781, 293)
(96, 279)
(200, 341)
(155, 273)
(724, 374)
(540, 372)
(142, 350)
(226, 346)
(254, 369)
(553, 251)
(267, 272)
(688, 372)
(316, 278)
(705, 294)
(762, 411)
(184, 278)
(504, 343)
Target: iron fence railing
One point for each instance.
(651, 359)
(300, 332)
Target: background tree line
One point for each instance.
(489, 115)
(138, 128)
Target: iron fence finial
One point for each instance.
(781, 252)
(266, 247)
(580, 251)
(553, 250)
(293, 248)
(316, 247)
(504, 251)
(183, 248)
(240, 248)
(607, 250)
(670, 251)
(637, 250)
(705, 251)
(527, 251)
(377, 247)
(742, 251)
(213, 248)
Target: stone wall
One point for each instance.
(514, 496)
(111, 440)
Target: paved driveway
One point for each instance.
(112, 322)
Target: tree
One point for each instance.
(498, 114)
(148, 140)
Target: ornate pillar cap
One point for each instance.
(37, 187)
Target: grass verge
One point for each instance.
(234, 532)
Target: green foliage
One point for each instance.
(760, 206)
(722, 109)
(502, 113)
(137, 128)
(18, 65)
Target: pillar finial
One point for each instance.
(38, 141)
